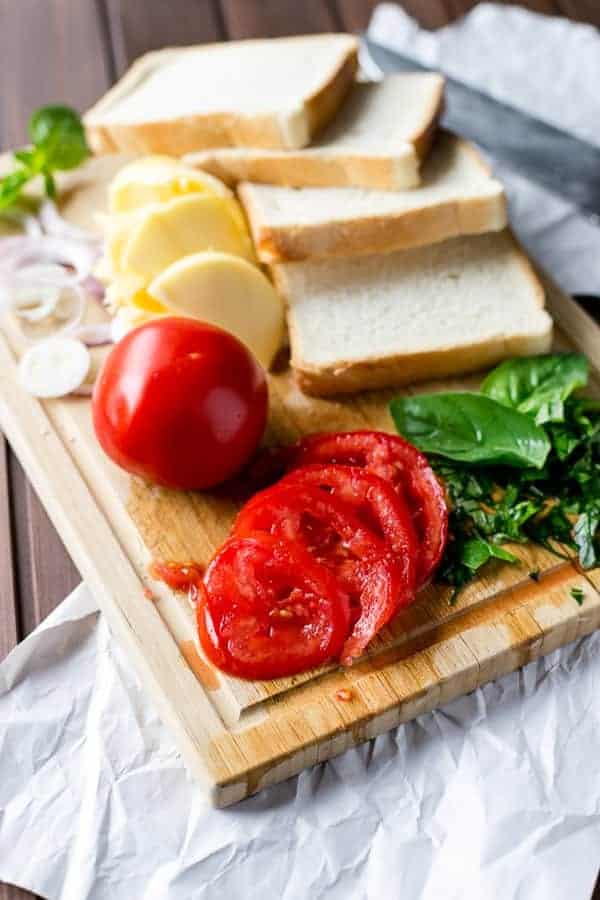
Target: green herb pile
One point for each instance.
(520, 462)
(57, 144)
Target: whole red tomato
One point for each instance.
(180, 403)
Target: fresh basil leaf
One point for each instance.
(582, 410)
(537, 385)
(26, 157)
(565, 439)
(58, 132)
(49, 184)
(496, 503)
(580, 425)
(11, 186)
(470, 428)
(585, 534)
(476, 552)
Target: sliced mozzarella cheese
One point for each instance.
(54, 367)
(118, 230)
(121, 290)
(228, 291)
(179, 228)
(157, 179)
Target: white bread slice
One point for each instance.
(260, 93)
(377, 140)
(379, 321)
(457, 196)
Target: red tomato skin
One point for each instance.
(377, 503)
(364, 563)
(180, 403)
(395, 460)
(237, 628)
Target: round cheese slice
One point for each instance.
(179, 228)
(117, 231)
(227, 291)
(158, 179)
(54, 367)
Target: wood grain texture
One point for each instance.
(581, 10)
(238, 737)
(460, 7)
(40, 75)
(9, 632)
(355, 14)
(10, 892)
(45, 569)
(596, 894)
(50, 50)
(272, 18)
(136, 26)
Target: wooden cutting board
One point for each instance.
(238, 736)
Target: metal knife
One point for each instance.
(559, 161)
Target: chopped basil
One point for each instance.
(509, 478)
(577, 595)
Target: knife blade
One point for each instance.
(564, 164)
(590, 303)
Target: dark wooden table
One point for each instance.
(71, 51)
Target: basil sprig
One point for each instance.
(57, 144)
(520, 461)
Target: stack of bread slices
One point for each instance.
(387, 237)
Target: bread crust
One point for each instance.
(423, 140)
(309, 168)
(220, 129)
(328, 167)
(395, 370)
(375, 234)
(398, 371)
(384, 233)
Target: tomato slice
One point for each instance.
(270, 610)
(376, 504)
(337, 538)
(397, 462)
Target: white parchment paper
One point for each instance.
(495, 796)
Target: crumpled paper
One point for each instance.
(495, 796)
(546, 66)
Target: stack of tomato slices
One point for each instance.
(319, 562)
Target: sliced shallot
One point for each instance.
(94, 335)
(54, 367)
(53, 223)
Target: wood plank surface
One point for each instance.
(272, 18)
(239, 737)
(137, 26)
(9, 632)
(94, 41)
